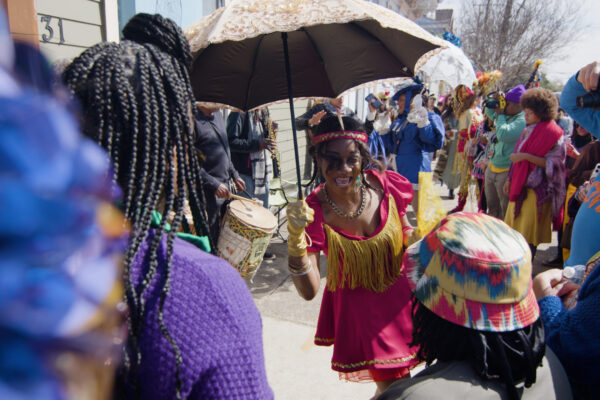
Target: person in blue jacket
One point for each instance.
(414, 135)
(572, 330)
(584, 81)
(584, 239)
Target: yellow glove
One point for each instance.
(299, 215)
(410, 236)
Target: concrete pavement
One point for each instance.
(296, 368)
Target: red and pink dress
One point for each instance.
(366, 308)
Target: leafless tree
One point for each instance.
(510, 35)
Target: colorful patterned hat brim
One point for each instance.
(467, 288)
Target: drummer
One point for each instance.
(217, 171)
(355, 218)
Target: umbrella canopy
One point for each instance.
(334, 45)
(449, 66)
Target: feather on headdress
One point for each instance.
(486, 82)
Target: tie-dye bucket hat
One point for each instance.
(475, 271)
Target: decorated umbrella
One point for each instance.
(252, 53)
(449, 66)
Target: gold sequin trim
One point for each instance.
(324, 340)
(373, 362)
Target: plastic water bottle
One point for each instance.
(574, 273)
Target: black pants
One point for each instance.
(214, 207)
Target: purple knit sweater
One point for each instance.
(212, 317)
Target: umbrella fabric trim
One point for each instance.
(426, 57)
(284, 16)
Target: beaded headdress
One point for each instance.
(460, 95)
(487, 82)
(354, 135)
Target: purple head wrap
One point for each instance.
(515, 94)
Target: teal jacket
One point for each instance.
(508, 131)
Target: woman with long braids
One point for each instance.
(194, 331)
(358, 219)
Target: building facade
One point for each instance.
(62, 29)
(183, 12)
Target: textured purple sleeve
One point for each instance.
(212, 317)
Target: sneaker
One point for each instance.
(269, 256)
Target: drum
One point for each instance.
(246, 231)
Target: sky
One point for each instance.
(577, 55)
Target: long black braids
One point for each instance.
(163, 33)
(196, 198)
(136, 99)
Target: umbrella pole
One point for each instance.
(288, 75)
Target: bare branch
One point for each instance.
(511, 34)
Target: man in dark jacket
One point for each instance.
(250, 147)
(312, 117)
(217, 169)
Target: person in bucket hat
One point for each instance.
(474, 311)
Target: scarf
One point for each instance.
(539, 142)
(260, 161)
(262, 170)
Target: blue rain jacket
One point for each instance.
(413, 145)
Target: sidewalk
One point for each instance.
(296, 368)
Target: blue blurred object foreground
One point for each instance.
(60, 246)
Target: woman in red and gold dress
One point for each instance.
(357, 218)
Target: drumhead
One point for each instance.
(253, 215)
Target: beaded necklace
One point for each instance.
(351, 214)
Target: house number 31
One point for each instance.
(47, 37)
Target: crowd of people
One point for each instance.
(518, 157)
(114, 183)
(527, 166)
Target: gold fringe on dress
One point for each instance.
(374, 263)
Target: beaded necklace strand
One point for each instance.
(351, 214)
